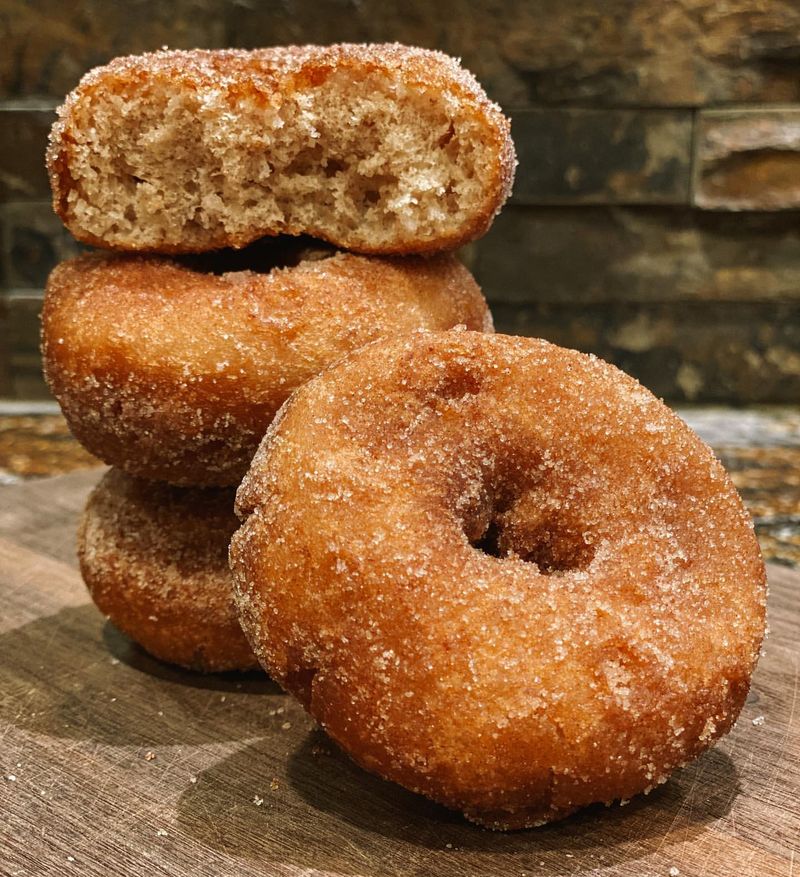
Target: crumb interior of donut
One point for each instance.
(367, 160)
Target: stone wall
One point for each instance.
(656, 214)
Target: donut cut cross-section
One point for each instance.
(374, 148)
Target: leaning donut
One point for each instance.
(375, 148)
(155, 560)
(500, 573)
(172, 372)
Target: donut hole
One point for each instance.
(489, 541)
(551, 537)
(553, 545)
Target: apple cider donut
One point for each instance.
(155, 560)
(375, 148)
(499, 573)
(172, 372)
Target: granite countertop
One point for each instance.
(760, 447)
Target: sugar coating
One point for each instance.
(173, 372)
(376, 148)
(155, 560)
(500, 573)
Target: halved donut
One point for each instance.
(375, 148)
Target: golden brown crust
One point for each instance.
(267, 77)
(534, 587)
(174, 374)
(155, 561)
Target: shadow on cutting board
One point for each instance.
(322, 811)
(128, 652)
(73, 675)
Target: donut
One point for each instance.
(375, 148)
(173, 372)
(155, 561)
(499, 573)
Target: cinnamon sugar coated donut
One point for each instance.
(155, 560)
(173, 372)
(499, 573)
(375, 148)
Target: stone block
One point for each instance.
(19, 329)
(576, 255)
(748, 159)
(731, 353)
(6, 381)
(569, 156)
(23, 140)
(33, 242)
(49, 44)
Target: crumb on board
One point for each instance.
(758, 720)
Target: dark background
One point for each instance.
(655, 215)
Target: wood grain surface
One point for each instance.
(114, 764)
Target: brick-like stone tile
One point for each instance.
(646, 53)
(33, 241)
(19, 325)
(6, 382)
(571, 156)
(601, 254)
(49, 44)
(23, 140)
(698, 351)
(748, 159)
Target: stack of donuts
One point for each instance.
(495, 571)
(171, 352)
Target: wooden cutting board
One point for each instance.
(115, 764)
